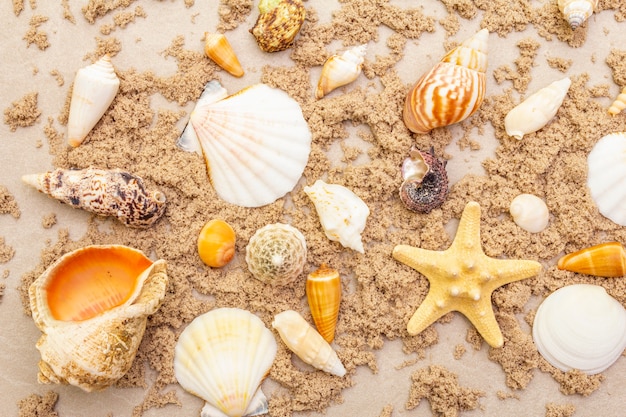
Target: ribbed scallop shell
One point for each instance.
(452, 90)
(92, 306)
(278, 24)
(619, 104)
(606, 176)
(222, 357)
(219, 50)
(580, 327)
(276, 254)
(530, 213)
(339, 70)
(94, 89)
(342, 213)
(603, 260)
(323, 292)
(577, 11)
(256, 142)
(537, 110)
(307, 343)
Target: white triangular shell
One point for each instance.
(580, 327)
(95, 87)
(222, 357)
(256, 142)
(606, 176)
(530, 212)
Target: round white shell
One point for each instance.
(256, 142)
(530, 213)
(342, 213)
(580, 327)
(222, 356)
(606, 175)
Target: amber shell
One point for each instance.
(219, 50)
(216, 243)
(323, 291)
(603, 260)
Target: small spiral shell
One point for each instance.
(278, 24)
(576, 12)
(340, 70)
(530, 213)
(425, 185)
(619, 104)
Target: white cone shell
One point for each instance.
(606, 176)
(256, 142)
(342, 213)
(580, 327)
(530, 213)
(222, 356)
(537, 110)
(95, 87)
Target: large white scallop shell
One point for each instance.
(530, 212)
(342, 213)
(580, 327)
(95, 87)
(222, 357)
(606, 164)
(537, 110)
(256, 142)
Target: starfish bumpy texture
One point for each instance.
(462, 278)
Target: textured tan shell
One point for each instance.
(278, 24)
(619, 104)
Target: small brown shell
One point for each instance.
(425, 184)
(278, 24)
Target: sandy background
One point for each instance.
(25, 68)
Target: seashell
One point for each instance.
(276, 254)
(103, 192)
(580, 327)
(222, 357)
(452, 90)
(606, 164)
(278, 24)
(425, 181)
(323, 292)
(339, 70)
(219, 50)
(537, 110)
(603, 260)
(94, 89)
(216, 243)
(577, 11)
(530, 213)
(256, 143)
(619, 104)
(91, 306)
(307, 343)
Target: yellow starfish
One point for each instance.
(462, 278)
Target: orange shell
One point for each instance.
(323, 290)
(216, 243)
(603, 260)
(219, 50)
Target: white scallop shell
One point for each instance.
(580, 327)
(606, 175)
(95, 87)
(537, 110)
(303, 340)
(577, 11)
(256, 142)
(222, 357)
(530, 212)
(342, 213)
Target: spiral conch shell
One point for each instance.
(219, 50)
(342, 213)
(278, 24)
(603, 260)
(339, 70)
(323, 292)
(577, 11)
(619, 104)
(222, 357)
(530, 212)
(425, 181)
(307, 343)
(452, 90)
(104, 192)
(580, 327)
(91, 306)
(95, 87)
(537, 110)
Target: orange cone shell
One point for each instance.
(217, 47)
(603, 260)
(323, 290)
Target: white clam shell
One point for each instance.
(606, 174)
(580, 327)
(95, 87)
(222, 357)
(530, 213)
(256, 142)
(342, 213)
(303, 340)
(537, 110)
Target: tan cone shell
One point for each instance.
(323, 291)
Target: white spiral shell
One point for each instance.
(577, 11)
(530, 213)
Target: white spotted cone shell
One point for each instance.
(619, 104)
(339, 70)
(576, 12)
(530, 213)
(94, 89)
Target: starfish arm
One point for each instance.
(482, 317)
(426, 262)
(468, 231)
(427, 313)
(504, 271)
